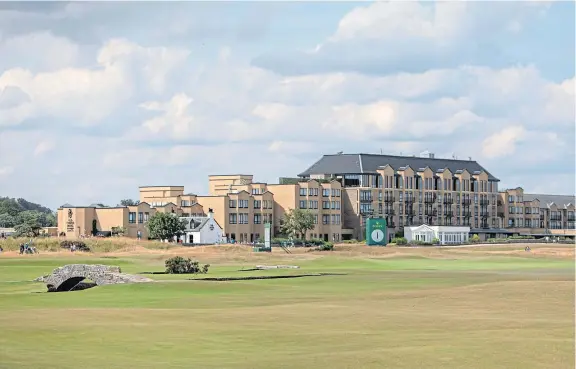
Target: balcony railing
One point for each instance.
(429, 199)
(484, 202)
(484, 214)
(448, 214)
(448, 201)
(466, 214)
(388, 199)
(409, 199)
(466, 202)
(389, 211)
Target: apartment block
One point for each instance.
(536, 214)
(410, 190)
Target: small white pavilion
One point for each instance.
(446, 234)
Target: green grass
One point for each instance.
(402, 312)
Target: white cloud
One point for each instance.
(43, 147)
(503, 143)
(90, 95)
(5, 171)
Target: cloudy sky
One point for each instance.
(97, 99)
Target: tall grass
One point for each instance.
(95, 244)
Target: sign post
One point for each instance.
(267, 236)
(376, 232)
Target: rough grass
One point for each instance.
(497, 307)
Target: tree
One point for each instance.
(27, 230)
(7, 220)
(165, 226)
(129, 202)
(297, 221)
(118, 231)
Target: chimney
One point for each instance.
(210, 213)
(431, 155)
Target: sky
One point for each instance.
(98, 98)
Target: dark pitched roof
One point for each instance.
(559, 200)
(369, 163)
(195, 224)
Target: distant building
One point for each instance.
(446, 235)
(536, 215)
(202, 230)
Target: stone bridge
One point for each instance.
(69, 276)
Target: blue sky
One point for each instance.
(98, 98)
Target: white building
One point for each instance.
(446, 234)
(201, 230)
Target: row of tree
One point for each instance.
(27, 218)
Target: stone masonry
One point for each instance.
(68, 276)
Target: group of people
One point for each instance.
(27, 248)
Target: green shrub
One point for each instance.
(435, 241)
(179, 265)
(351, 241)
(399, 241)
(327, 246)
(475, 239)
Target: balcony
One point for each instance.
(430, 199)
(448, 201)
(389, 199)
(484, 202)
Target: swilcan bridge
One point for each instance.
(70, 276)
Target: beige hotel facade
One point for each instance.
(342, 191)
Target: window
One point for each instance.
(257, 204)
(302, 192)
(243, 218)
(232, 218)
(184, 203)
(140, 217)
(365, 195)
(315, 218)
(232, 204)
(325, 192)
(257, 218)
(243, 204)
(146, 216)
(313, 204)
(333, 205)
(132, 217)
(302, 204)
(325, 204)
(338, 205)
(325, 219)
(311, 192)
(255, 191)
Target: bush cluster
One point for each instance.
(179, 265)
(80, 245)
(399, 241)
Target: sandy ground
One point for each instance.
(235, 252)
